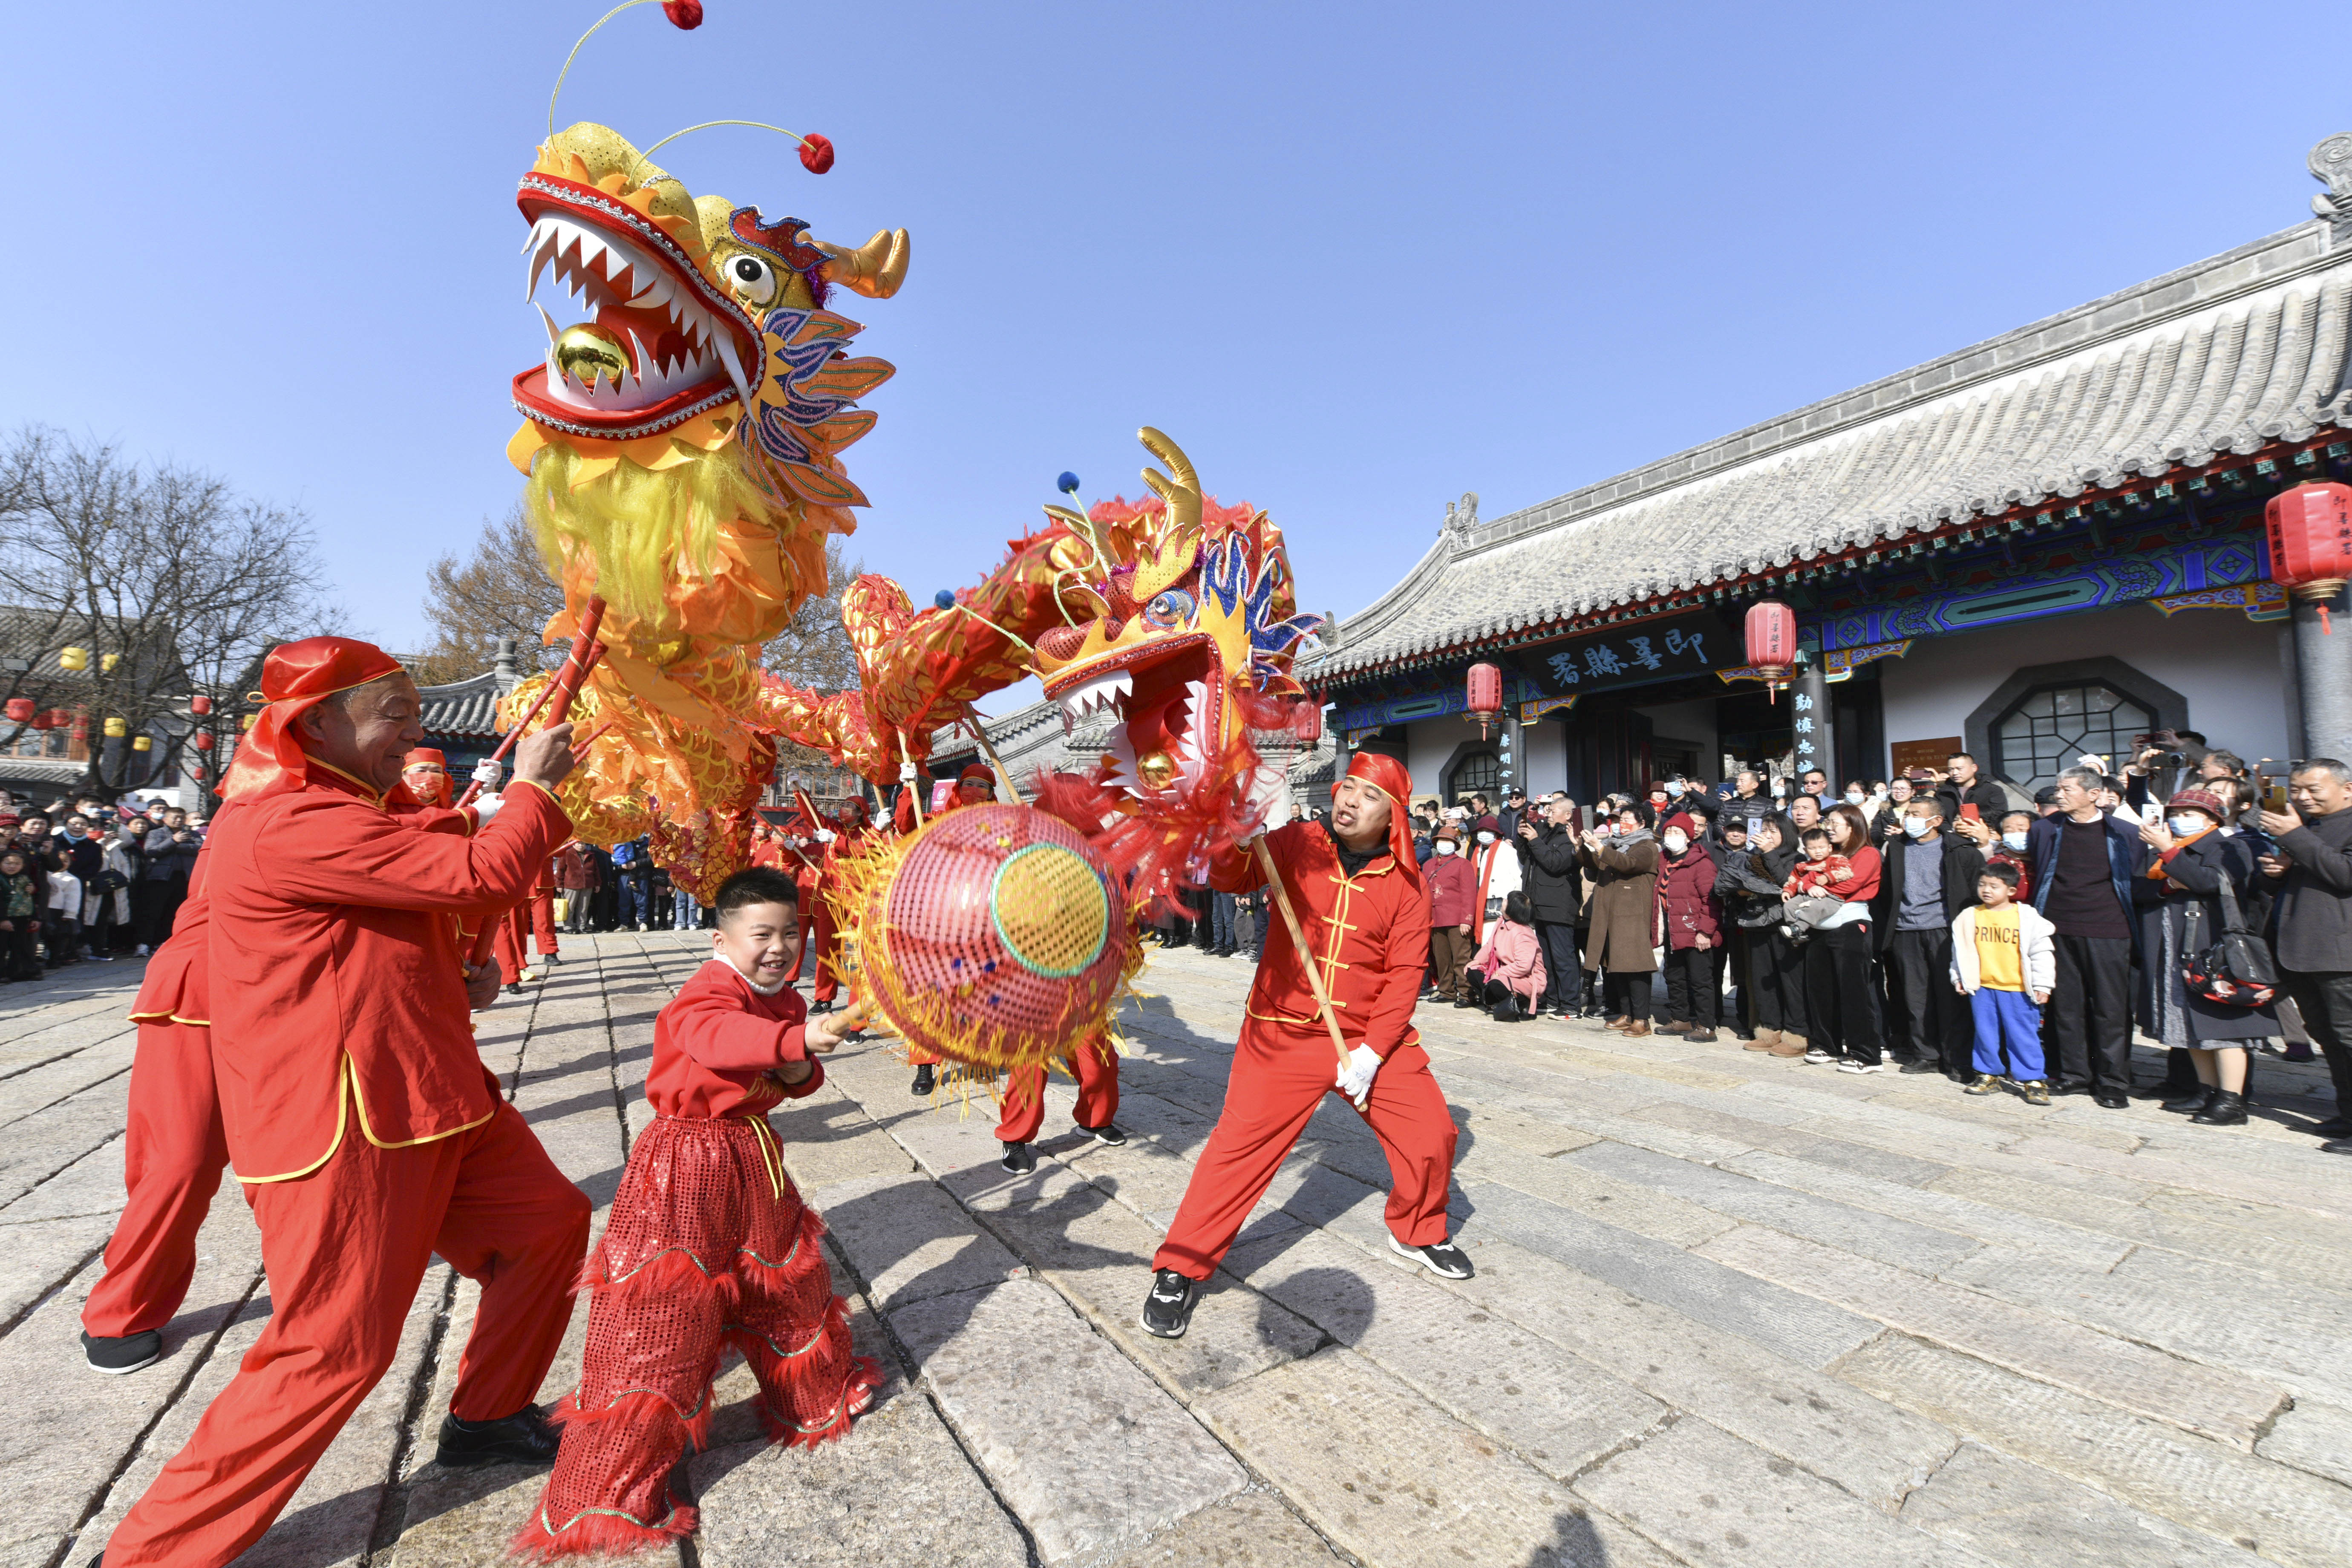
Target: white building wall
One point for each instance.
(1547, 759)
(2227, 666)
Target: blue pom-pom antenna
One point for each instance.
(1067, 483)
(944, 598)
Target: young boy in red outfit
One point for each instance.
(709, 1246)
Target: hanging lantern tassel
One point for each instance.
(2310, 530)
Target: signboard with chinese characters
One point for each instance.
(1811, 741)
(1636, 655)
(1931, 755)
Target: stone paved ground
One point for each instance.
(1729, 1311)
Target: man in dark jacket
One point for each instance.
(1968, 787)
(2084, 863)
(1555, 879)
(1929, 876)
(2313, 873)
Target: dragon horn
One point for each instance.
(874, 269)
(1183, 493)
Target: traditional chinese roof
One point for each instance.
(462, 709)
(2237, 353)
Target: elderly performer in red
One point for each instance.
(1357, 893)
(357, 1113)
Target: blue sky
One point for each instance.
(1357, 259)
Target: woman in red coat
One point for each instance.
(1452, 890)
(1693, 927)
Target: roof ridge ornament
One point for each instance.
(2331, 165)
(1462, 516)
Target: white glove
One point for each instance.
(1268, 797)
(486, 773)
(1356, 1078)
(824, 835)
(486, 806)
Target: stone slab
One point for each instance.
(907, 1240)
(1629, 1206)
(896, 1489)
(1835, 1152)
(2280, 1251)
(1806, 1330)
(1866, 1446)
(2241, 1332)
(1555, 1412)
(1391, 1480)
(2219, 1404)
(1760, 1200)
(1087, 1450)
(1718, 1502)
(1947, 1211)
(1249, 1530)
(2008, 1511)
(2173, 1171)
(2315, 1438)
(2278, 1513)
(1098, 1254)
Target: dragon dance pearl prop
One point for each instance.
(996, 936)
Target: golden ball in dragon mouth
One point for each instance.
(1156, 769)
(587, 350)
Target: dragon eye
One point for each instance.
(1172, 608)
(754, 280)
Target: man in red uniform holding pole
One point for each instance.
(1356, 890)
(356, 1112)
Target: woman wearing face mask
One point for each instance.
(1694, 923)
(1886, 821)
(1508, 975)
(1451, 892)
(2180, 913)
(1495, 865)
(1622, 943)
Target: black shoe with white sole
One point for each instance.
(925, 1080)
(1018, 1160)
(1168, 1310)
(1445, 1260)
(525, 1438)
(1107, 1132)
(116, 1356)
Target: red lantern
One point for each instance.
(1306, 719)
(59, 719)
(198, 774)
(20, 710)
(1485, 695)
(200, 705)
(1772, 643)
(204, 740)
(2310, 531)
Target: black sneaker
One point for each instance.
(1168, 1310)
(1107, 1132)
(1922, 1067)
(1018, 1160)
(816, 1008)
(1444, 1259)
(524, 1437)
(128, 1353)
(924, 1079)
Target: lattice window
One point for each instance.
(1477, 771)
(2049, 728)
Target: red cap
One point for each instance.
(1386, 774)
(296, 678)
(423, 755)
(978, 772)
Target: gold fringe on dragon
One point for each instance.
(683, 448)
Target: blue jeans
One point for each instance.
(1221, 921)
(2007, 1018)
(637, 908)
(689, 914)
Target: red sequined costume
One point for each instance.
(709, 1246)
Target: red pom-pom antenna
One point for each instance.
(816, 152)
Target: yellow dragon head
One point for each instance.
(1182, 618)
(706, 387)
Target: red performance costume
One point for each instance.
(708, 1245)
(357, 1113)
(1370, 933)
(826, 928)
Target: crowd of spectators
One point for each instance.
(621, 889)
(1934, 924)
(86, 881)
